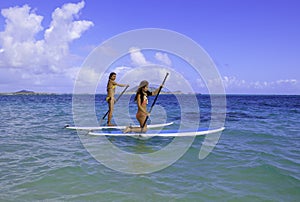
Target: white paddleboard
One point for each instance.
(163, 133)
(115, 127)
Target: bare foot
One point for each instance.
(109, 124)
(127, 129)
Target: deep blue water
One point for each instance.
(255, 159)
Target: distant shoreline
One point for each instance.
(27, 92)
(41, 93)
(132, 93)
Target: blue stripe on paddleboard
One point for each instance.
(170, 133)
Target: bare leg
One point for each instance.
(141, 120)
(110, 113)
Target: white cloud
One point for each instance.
(63, 28)
(163, 57)
(233, 84)
(154, 73)
(287, 81)
(21, 24)
(137, 57)
(88, 76)
(200, 83)
(17, 41)
(121, 69)
(20, 48)
(230, 81)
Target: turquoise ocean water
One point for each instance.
(257, 157)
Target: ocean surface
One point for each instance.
(257, 157)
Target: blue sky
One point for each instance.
(254, 44)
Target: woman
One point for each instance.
(110, 99)
(141, 99)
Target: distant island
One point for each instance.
(26, 92)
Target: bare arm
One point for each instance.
(118, 84)
(156, 91)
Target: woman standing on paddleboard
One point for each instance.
(141, 99)
(110, 99)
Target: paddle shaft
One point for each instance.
(154, 101)
(116, 100)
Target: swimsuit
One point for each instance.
(141, 114)
(108, 98)
(145, 101)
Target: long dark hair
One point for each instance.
(111, 74)
(140, 93)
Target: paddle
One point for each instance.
(116, 101)
(155, 100)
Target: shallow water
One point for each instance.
(256, 158)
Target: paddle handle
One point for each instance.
(116, 101)
(160, 87)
